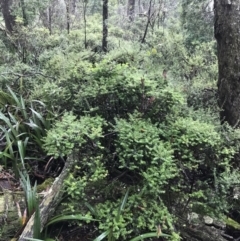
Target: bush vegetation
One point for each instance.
(136, 116)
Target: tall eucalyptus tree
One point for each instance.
(9, 18)
(227, 29)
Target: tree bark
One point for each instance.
(85, 2)
(105, 26)
(148, 22)
(131, 9)
(9, 18)
(51, 201)
(24, 13)
(227, 28)
(68, 15)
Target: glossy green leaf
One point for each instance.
(148, 235)
(37, 219)
(102, 236)
(69, 217)
(34, 239)
(123, 204)
(91, 209)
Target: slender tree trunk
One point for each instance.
(227, 28)
(50, 19)
(25, 23)
(9, 18)
(105, 26)
(68, 15)
(24, 14)
(85, 2)
(131, 9)
(148, 22)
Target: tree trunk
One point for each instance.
(68, 15)
(85, 2)
(24, 13)
(9, 18)
(105, 26)
(227, 28)
(50, 12)
(148, 22)
(131, 9)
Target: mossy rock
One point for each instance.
(9, 219)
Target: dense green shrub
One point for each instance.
(137, 133)
(68, 134)
(134, 115)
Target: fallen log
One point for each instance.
(50, 201)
